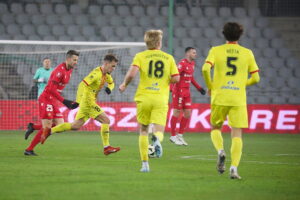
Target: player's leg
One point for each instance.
(184, 121)
(143, 113)
(31, 127)
(174, 119)
(104, 131)
(47, 123)
(217, 118)
(238, 119)
(158, 118)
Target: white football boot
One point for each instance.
(181, 139)
(145, 167)
(175, 140)
(234, 174)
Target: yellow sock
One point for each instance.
(159, 135)
(143, 145)
(217, 139)
(236, 151)
(105, 134)
(61, 128)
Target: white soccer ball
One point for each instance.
(151, 151)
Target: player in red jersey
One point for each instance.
(50, 99)
(181, 95)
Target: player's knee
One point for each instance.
(106, 120)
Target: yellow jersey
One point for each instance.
(90, 86)
(156, 69)
(232, 64)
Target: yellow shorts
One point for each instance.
(151, 110)
(237, 116)
(87, 111)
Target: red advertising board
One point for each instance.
(15, 114)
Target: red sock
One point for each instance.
(183, 124)
(35, 141)
(173, 125)
(37, 126)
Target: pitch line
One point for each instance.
(203, 157)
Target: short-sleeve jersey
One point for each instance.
(156, 69)
(232, 64)
(90, 86)
(44, 74)
(59, 78)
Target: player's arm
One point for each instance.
(206, 68)
(253, 70)
(131, 73)
(199, 88)
(53, 90)
(175, 77)
(254, 78)
(110, 84)
(36, 77)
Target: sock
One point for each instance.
(173, 125)
(183, 124)
(159, 135)
(217, 139)
(105, 134)
(143, 145)
(37, 126)
(236, 151)
(35, 141)
(61, 128)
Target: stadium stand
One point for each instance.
(200, 26)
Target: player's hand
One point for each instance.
(202, 91)
(70, 104)
(122, 87)
(107, 90)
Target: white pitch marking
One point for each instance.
(202, 157)
(287, 154)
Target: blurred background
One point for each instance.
(271, 30)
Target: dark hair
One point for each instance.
(188, 48)
(232, 31)
(70, 53)
(46, 58)
(110, 58)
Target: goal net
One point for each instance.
(19, 60)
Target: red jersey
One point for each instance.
(59, 78)
(186, 71)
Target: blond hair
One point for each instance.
(153, 38)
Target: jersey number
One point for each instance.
(158, 69)
(231, 66)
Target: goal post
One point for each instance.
(19, 61)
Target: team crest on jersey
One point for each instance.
(58, 74)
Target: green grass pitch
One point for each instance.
(72, 166)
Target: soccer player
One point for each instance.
(87, 92)
(232, 63)
(181, 95)
(50, 99)
(42, 75)
(157, 70)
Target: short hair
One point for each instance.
(232, 31)
(188, 48)
(70, 53)
(152, 38)
(110, 58)
(46, 58)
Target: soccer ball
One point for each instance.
(151, 151)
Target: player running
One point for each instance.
(181, 95)
(232, 64)
(157, 70)
(50, 99)
(87, 93)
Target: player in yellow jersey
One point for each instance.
(232, 64)
(87, 92)
(157, 70)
